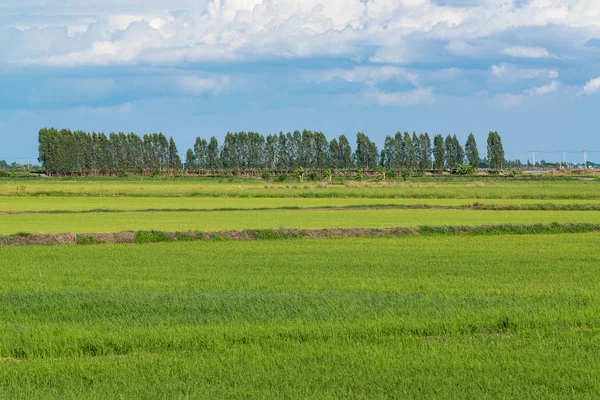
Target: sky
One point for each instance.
(529, 69)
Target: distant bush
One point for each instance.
(312, 176)
(22, 234)
(282, 177)
(153, 237)
(86, 240)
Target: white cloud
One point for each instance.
(110, 110)
(407, 98)
(511, 72)
(196, 85)
(527, 52)
(509, 99)
(145, 32)
(592, 87)
(461, 48)
(544, 89)
(367, 75)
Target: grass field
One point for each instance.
(210, 221)
(418, 317)
(81, 204)
(252, 188)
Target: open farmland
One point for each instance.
(420, 316)
(211, 221)
(513, 316)
(15, 204)
(198, 187)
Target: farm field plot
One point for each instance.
(80, 204)
(419, 317)
(272, 219)
(201, 188)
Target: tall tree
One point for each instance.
(439, 153)
(388, 153)
(321, 148)
(174, 160)
(495, 151)
(200, 155)
(471, 151)
(190, 161)
(345, 155)
(213, 158)
(450, 152)
(416, 151)
(459, 152)
(270, 158)
(334, 155)
(366, 152)
(425, 151)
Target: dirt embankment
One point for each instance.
(144, 237)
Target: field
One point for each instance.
(466, 188)
(419, 316)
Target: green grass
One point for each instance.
(308, 219)
(107, 204)
(416, 317)
(500, 189)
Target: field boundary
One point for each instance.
(147, 237)
(474, 206)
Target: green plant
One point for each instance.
(464, 169)
(405, 173)
(299, 174)
(153, 237)
(359, 176)
(86, 240)
(266, 175)
(282, 177)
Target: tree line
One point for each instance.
(63, 152)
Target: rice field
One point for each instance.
(420, 317)
(106, 204)
(211, 221)
(465, 188)
(416, 316)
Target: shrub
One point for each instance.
(267, 234)
(22, 234)
(153, 237)
(406, 172)
(86, 240)
(359, 175)
(312, 176)
(282, 177)
(266, 176)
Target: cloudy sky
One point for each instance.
(527, 68)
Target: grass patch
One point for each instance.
(143, 237)
(87, 240)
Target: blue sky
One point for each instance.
(527, 68)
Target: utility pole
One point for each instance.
(534, 159)
(584, 159)
(564, 159)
